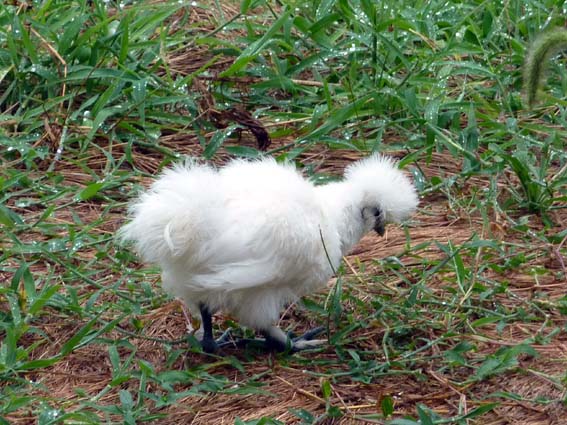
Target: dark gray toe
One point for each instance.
(311, 334)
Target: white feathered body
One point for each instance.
(255, 235)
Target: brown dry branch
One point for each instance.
(222, 118)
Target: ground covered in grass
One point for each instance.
(456, 317)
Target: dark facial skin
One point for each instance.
(379, 222)
(380, 226)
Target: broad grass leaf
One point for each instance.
(17, 278)
(90, 191)
(76, 339)
(387, 405)
(481, 410)
(369, 9)
(114, 358)
(8, 217)
(250, 53)
(46, 293)
(4, 72)
(15, 310)
(469, 68)
(126, 399)
(487, 21)
(173, 377)
(424, 415)
(29, 284)
(124, 29)
(243, 151)
(324, 23)
(244, 6)
(146, 368)
(102, 116)
(339, 116)
(326, 389)
(485, 321)
(324, 8)
(83, 72)
(410, 98)
(68, 39)
(9, 347)
(503, 360)
(139, 96)
(39, 363)
(489, 367)
(84, 336)
(403, 422)
(304, 415)
(302, 24)
(215, 143)
(21, 34)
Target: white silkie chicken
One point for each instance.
(253, 236)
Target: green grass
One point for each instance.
(443, 325)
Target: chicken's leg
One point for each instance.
(208, 342)
(275, 338)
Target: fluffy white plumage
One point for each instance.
(248, 238)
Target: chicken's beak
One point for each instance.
(380, 227)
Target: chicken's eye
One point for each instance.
(370, 211)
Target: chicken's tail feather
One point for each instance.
(165, 219)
